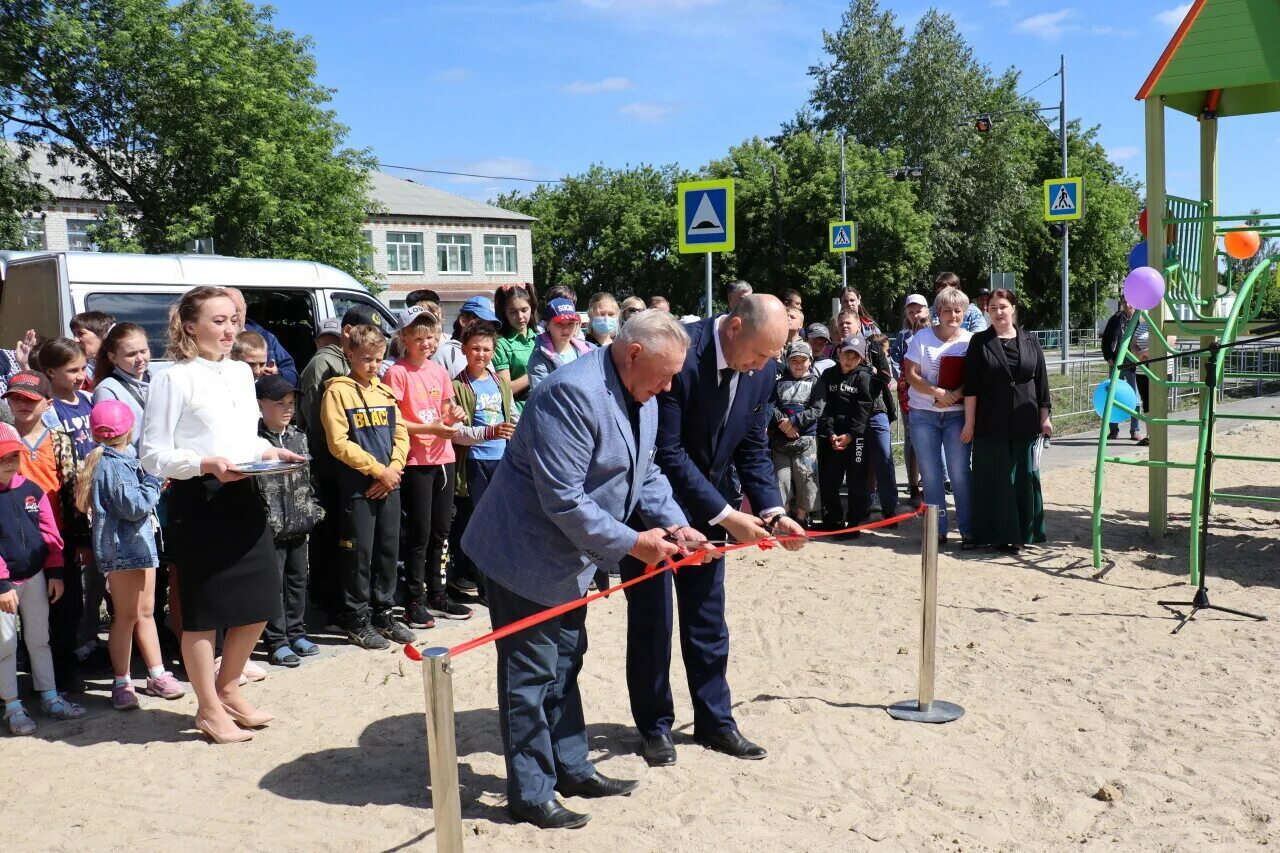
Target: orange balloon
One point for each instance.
(1242, 244)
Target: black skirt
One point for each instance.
(221, 543)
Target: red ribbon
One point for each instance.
(649, 572)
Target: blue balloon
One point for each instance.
(1138, 257)
(1125, 395)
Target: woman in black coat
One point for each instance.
(1006, 408)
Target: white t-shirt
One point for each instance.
(927, 351)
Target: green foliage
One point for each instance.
(19, 194)
(198, 118)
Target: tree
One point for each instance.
(197, 118)
(19, 194)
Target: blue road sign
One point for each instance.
(842, 236)
(706, 216)
(1063, 199)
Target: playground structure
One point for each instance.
(1222, 61)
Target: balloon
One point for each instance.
(1242, 244)
(1138, 257)
(1125, 395)
(1142, 222)
(1144, 288)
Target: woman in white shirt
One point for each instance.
(201, 421)
(934, 368)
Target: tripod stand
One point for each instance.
(1201, 599)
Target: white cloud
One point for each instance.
(1124, 152)
(1171, 18)
(1112, 31)
(595, 87)
(457, 74)
(646, 110)
(1049, 26)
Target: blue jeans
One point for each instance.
(880, 447)
(544, 737)
(934, 435)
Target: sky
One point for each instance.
(545, 88)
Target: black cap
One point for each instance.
(273, 387)
(361, 314)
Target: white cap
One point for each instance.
(916, 299)
(329, 326)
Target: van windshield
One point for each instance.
(148, 310)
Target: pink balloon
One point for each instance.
(1144, 288)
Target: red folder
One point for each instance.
(951, 372)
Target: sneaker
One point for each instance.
(393, 629)
(217, 667)
(362, 634)
(1113, 434)
(284, 656)
(61, 708)
(462, 586)
(303, 647)
(165, 686)
(20, 722)
(123, 698)
(252, 671)
(440, 605)
(417, 616)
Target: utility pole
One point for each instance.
(844, 256)
(1066, 226)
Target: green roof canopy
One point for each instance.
(1224, 58)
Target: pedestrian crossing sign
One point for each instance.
(842, 236)
(706, 216)
(1063, 199)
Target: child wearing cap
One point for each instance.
(30, 578)
(793, 429)
(424, 393)
(477, 309)
(559, 344)
(849, 391)
(292, 512)
(121, 499)
(818, 336)
(514, 304)
(370, 445)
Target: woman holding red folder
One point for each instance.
(934, 368)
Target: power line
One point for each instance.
(1038, 85)
(473, 175)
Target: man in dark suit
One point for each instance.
(714, 416)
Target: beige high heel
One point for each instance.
(214, 735)
(250, 721)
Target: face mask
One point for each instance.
(604, 325)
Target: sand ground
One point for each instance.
(1069, 676)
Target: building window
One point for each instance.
(78, 235)
(33, 238)
(499, 253)
(404, 251)
(453, 253)
(366, 251)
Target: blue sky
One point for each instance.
(544, 88)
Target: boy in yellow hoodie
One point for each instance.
(371, 445)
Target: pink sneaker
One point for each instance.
(217, 667)
(253, 672)
(123, 698)
(165, 686)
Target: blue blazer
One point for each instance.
(689, 452)
(571, 478)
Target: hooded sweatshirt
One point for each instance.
(29, 538)
(363, 432)
(129, 390)
(327, 363)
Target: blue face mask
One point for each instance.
(604, 325)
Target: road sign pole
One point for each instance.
(710, 310)
(844, 258)
(1066, 226)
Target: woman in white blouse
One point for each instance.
(201, 421)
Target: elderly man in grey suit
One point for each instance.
(577, 490)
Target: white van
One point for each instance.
(44, 290)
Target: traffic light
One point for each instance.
(1057, 230)
(982, 124)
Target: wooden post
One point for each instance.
(1157, 476)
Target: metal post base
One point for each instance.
(935, 712)
(1201, 602)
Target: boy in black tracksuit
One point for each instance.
(849, 392)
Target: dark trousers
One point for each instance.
(427, 495)
(291, 558)
(479, 475)
(544, 736)
(879, 445)
(368, 539)
(836, 468)
(325, 576)
(704, 646)
(64, 622)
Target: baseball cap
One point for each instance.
(273, 387)
(817, 330)
(29, 384)
(799, 348)
(560, 311)
(9, 440)
(110, 419)
(405, 315)
(986, 291)
(916, 299)
(854, 343)
(329, 326)
(361, 314)
(480, 306)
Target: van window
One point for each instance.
(343, 301)
(290, 315)
(29, 300)
(148, 310)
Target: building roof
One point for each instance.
(1224, 58)
(397, 196)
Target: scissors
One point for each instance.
(770, 527)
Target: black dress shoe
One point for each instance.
(732, 743)
(548, 815)
(658, 750)
(598, 786)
